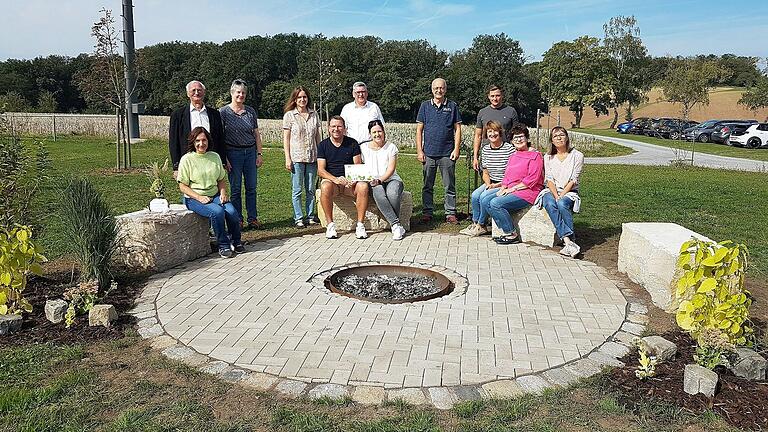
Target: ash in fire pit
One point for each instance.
(389, 283)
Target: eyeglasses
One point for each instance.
(239, 82)
(519, 138)
(197, 90)
(559, 136)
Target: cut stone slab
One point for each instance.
(748, 364)
(698, 379)
(583, 368)
(614, 349)
(291, 388)
(413, 396)
(368, 395)
(604, 359)
(532, 383)
(102, 315)
(560, 377)
(163, 342)
(648, 253)
(635, 329)
(333, 391)
(188, 356)
(503, 389)
(260, 381)
(467, 393)
(215, 367)
(150, 240)
(10, 324)
(55, 310)
(150, 332)
(663, 349)
(534, 226)
(233, 375)
(345, 213)
(442, 397)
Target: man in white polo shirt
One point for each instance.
(359, 112)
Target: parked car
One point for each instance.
(702, 132)
(640, 125)
(623, 128)
(723, 131)
(671, 128)
(753, 137)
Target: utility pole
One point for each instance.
(129, 50)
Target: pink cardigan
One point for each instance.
(526, 167)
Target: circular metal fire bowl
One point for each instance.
(444, 285)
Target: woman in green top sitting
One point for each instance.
(202, 181)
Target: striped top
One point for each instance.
(238, 128)
(495, 160)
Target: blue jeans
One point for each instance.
(243, 163)
(561, 213)
(218, 214)
(479, 215)
(448, 173)
(303, 176)
(499, 207)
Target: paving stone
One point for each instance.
(413, 396)
(624, 338)
(698, 379)
(560, 377)
(333, 391)
(102, 315)
(638, 308)
(150, 332)
(215, 367)
(233, 375)
(583, 368)
(259, 381)
(532, 383)
(185, 355)
(663, 349)
(637, 318)
(614, 349)
(291, 388)
(369, 395)
(163, 342)
(633, 328)
(467, 393)
(503, 389)
(147, 322)
(604, 359)
(748, 364)
(442, 397)
(55, 310)
(10, 324)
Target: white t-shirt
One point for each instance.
(377, 161)
(356, 119)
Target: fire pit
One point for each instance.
(389, 283)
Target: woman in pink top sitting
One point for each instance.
(523, 180)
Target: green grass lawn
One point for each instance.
(709, 148)
(124, 386)
(719, 204)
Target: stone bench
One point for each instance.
(533, 224)
(157, 241)
(648, 254)
(345, 213)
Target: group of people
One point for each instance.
(514, 177)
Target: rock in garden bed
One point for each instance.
(741, 402)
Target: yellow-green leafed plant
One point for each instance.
(155, 173)
(710, 292)
(19, 256)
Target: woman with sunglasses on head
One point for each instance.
(562, 168)
(522, 182)
(243, 140)
(301, 135)
(202, 180)
(380, 158)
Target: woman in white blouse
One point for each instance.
(560, 197)
(380, 159)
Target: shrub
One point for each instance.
(713, 305)
(91, 230)
(155, 173)
(19, 256)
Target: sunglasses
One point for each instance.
(239, 82)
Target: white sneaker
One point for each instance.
(359, 231)
(575, 249)
(330, 231)
(566, 250)
(397, 232)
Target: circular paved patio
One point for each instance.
(517, 310)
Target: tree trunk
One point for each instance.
(615, 117)
(578, 113)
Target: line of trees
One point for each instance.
(608, 75)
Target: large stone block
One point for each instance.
(10, 324)
(55, 310)
(663, 349)
(159, 241)
(102, 315)
(533, 224)
(345, 213)
(648, 254)
(698, 379)
(748, 364)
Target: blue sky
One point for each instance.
(33, 28)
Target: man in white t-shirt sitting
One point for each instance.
(358, 113)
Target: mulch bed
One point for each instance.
(37, 329)
(742, 403)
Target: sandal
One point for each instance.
(508, 239)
